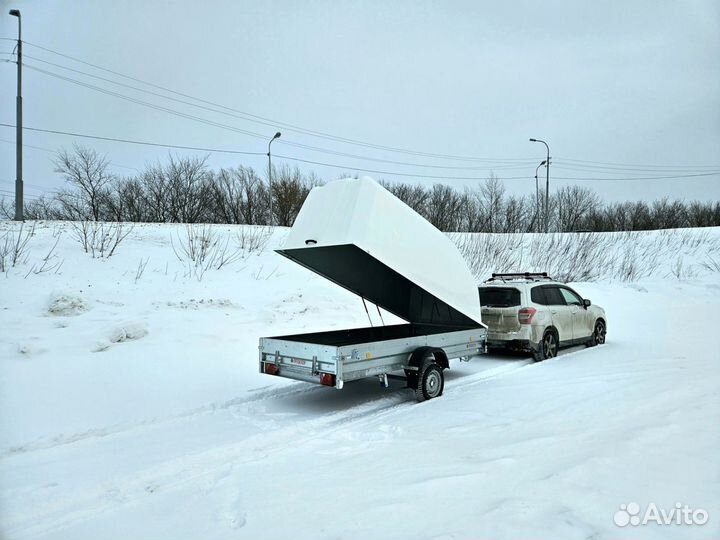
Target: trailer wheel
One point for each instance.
(430, 382)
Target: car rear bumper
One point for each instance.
(522, 340)
(513, 345)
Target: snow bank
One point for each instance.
(171, 432)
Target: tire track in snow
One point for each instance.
(62, 439)
(209, 467)
(261, 395)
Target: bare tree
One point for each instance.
(239, 196)
(87, 171)
(442, 208)
(7, 208)
(188, 189)
(42, 208)
(516, 212)
(289, 190)
(185, 190)
(573, 203)
(415, 196)
(491, 196)
(131, 204)
(470, 216)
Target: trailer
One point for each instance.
(358, 235)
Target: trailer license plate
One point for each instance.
(298, 361)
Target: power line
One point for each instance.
(629, 168)
(285, 125)
(33, 186)
(130, 141)
(147, 104)
(481, 178)
(25, 195)
(51, 151)
(245, 132)
(218, 111)
(30, 146)
(346, 167)
(622, 172)
(652, 166)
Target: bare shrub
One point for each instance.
(487, 253)
(99, 238)
(253, 239)
(623, 256)
(50, 262)
(259, 276)
(711, 264)
(141, 269)
(680, 270)
(14, 246)
(200, 249)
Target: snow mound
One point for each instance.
(127, 331)
(66, 305)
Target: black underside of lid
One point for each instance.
(359, 272)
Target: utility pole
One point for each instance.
(18, 125)
(270, 170)
(547, 184)
(537, 196)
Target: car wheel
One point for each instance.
(598, 335)
(430, 382)
(548, 347)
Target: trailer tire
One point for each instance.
(430, 382)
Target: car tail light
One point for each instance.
(271, 369)
(526, 314)
(327, 379)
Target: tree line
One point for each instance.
(187, 190)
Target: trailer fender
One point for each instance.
(420, 356)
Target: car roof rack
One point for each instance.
(520, 276)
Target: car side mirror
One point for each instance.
(587, 303)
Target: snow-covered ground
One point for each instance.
(131, 407)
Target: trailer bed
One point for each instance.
(338, 356)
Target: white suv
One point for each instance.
(534, 313)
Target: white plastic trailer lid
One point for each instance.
(357, 234)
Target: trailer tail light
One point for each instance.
(327, 379)
(271, 369)
(526, 314)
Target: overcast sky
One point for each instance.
(630, 83)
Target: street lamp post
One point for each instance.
(18, 125)
(537, 195)
(272, 214)
(547, 184)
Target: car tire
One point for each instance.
(548, 347)
(430, 382)
(598, 335)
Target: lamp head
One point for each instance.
(533, 140)
(277, 135)
(15, 12)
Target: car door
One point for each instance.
(560, 312)
(583, 322)
(577, 312)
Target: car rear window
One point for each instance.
(499, 296)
